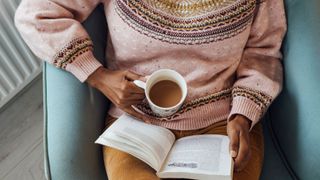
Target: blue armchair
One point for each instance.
(75, 112)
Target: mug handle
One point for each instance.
(140, 84)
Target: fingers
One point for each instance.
(238, 132)
(134, 88)
(124, 101)
(244, 152)
(130, 94)
(135, 97)
(128, 86)
(234, 142)
(130, 103)
(131, 76)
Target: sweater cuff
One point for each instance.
(246, 107)
(84, 65)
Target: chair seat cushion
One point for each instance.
(273, 167)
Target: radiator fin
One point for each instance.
(18, 66)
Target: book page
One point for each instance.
(154, 141)
(117, 142)
(199, 154)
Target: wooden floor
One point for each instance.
(21, 148)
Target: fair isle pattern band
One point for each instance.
(187, 8)
(209, 27)
(261, 99)
(71, 51)
(145, 108)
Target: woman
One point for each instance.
(227, 50)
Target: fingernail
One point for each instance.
(233, 153)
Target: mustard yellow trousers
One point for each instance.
(123, 166)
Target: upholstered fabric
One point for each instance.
(274, 167)
(295, 116)
(75, 117)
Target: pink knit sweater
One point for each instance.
(227, 50)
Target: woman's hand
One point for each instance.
(119, 88)
(238, 132)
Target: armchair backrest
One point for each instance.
(295, 115)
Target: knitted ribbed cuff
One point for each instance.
(83, 66)
(246, 107)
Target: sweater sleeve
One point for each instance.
(53, 31)
(259, 74)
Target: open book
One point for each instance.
(204, 157)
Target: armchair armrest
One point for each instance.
(294, 116)
(74, 116)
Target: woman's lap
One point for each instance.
(123, 166)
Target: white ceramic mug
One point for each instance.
(161, 75)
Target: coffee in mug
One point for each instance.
(165, 91)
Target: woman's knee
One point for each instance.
(122, 166)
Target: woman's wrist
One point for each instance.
(94, 79)
(242, 120)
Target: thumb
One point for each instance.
(131, 76)
(234, 143)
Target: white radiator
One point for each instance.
(18, 66)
